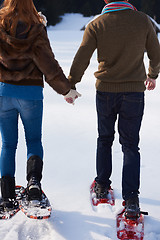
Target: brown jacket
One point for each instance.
(25, 61)
(121, 39)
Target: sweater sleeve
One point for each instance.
(153, 51)
(83, 56)
(45, 60)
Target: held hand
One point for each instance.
(150, 83)
(71, 96)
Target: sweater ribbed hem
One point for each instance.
(120, 87)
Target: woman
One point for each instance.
(25, 56)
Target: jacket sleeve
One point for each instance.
(83, 56)
(45, 60)
(153, 51)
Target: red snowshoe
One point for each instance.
(130, 228)
(95, 201)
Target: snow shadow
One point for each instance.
(150, 201)
(152, 228)
(75, 225)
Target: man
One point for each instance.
(121, 35)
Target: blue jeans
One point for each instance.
(30, 112)
(128, 108)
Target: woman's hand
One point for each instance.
(72, 96)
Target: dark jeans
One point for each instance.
(128, 107)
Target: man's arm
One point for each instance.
(83, 56)
(153, 51)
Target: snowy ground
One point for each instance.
(69, 139)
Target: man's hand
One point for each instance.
(150, 83)
(71, 96)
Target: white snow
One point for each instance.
(69, 139)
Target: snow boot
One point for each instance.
(34, 176)
(132, 210)
(34, 191)
(8, 201)
(101, 191)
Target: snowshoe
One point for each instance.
(106, 196)
(35, 209)
(130, 228)
(8, 208)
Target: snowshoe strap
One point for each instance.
(144, 213)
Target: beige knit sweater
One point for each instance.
(121, 39)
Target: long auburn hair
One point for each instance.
(13, 11)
